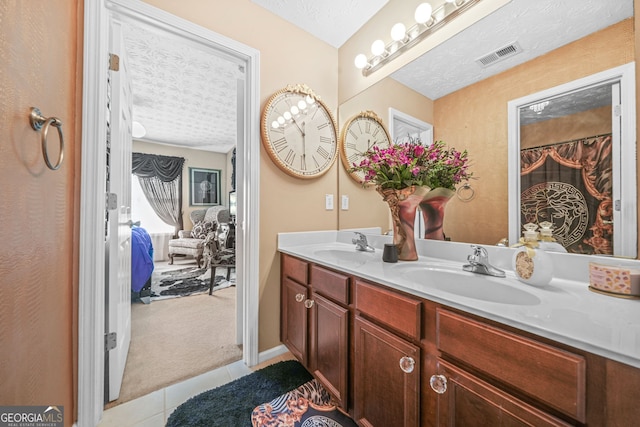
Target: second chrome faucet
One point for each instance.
(360, 240)
(479, 263)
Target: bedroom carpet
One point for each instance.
(179, 338)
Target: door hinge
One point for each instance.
(112, 201)
(617, 110)
(110, 341)
(617, 205)
(114, 62)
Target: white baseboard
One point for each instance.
(271, 353)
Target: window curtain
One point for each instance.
(570, 185)
(161, 181)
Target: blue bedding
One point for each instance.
(141, 258)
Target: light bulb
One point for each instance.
(137, 130)
(377, 47)
(398, 32)
(275, 124)
(361, 61)
(309, 99)
(281, 120)
(423, 13)
(302, 105)
(287, 115)
(294, 110)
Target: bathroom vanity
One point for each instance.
(425, 344)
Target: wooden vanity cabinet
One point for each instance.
(315, 323)
(387, 360)
(413, 362)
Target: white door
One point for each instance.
(118, 250)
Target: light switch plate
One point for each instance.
(345, 202)
(328, 202)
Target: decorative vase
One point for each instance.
(403, 205)
(432, 207)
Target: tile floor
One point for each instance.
(154, 409)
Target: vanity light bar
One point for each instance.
(418, 32)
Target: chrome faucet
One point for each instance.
(360, 240)
(479, 263)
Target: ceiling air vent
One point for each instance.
(499, 54)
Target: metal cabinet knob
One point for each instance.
(407, 364)
(299, 297)
(438, 383)
(308, 303)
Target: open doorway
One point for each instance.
(91, 278)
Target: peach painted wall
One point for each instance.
(288, 55)
(580, 125)
(475, 118)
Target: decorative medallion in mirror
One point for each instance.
(573, 163)
(299, 132)
(361, 133)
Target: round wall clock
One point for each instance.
(361, 133)
(299, 132)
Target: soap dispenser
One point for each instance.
(531, 264)
(547, 241)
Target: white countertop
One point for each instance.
(564, 310)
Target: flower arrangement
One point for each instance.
(411, 163)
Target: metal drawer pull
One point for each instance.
(39, 122)
(299, 297)
(308, 303)
(407, 364)
(438, 383)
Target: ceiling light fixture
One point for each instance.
(427, 20)
(137, 130)
(538, 108)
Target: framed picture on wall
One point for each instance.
(204, 187)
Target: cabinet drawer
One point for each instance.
(295, 269)
(392, 309)
(548, 374)
(330, 284)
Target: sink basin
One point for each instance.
(345, 257)
(470, 285)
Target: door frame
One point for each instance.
(90, 234)
(625, 243)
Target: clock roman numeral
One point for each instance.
(325, 140)
(353, 134)
(322, 126)
(375, 132)
(303, 163)
(367, 127)
(324, 153)
(290, 157)
(280, 144)
(354, 158)
(351, 145)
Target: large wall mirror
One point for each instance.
(473, 113)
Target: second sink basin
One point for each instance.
(345, 257)
(470, 285)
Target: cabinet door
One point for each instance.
(387, 378)
(293, 331)
(329, 346)
(465, 400)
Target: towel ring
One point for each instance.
(39, 122)
(466, 192)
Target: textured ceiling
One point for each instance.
(538, 26)
(185, 94)
(333, 21)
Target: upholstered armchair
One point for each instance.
(192, 242)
